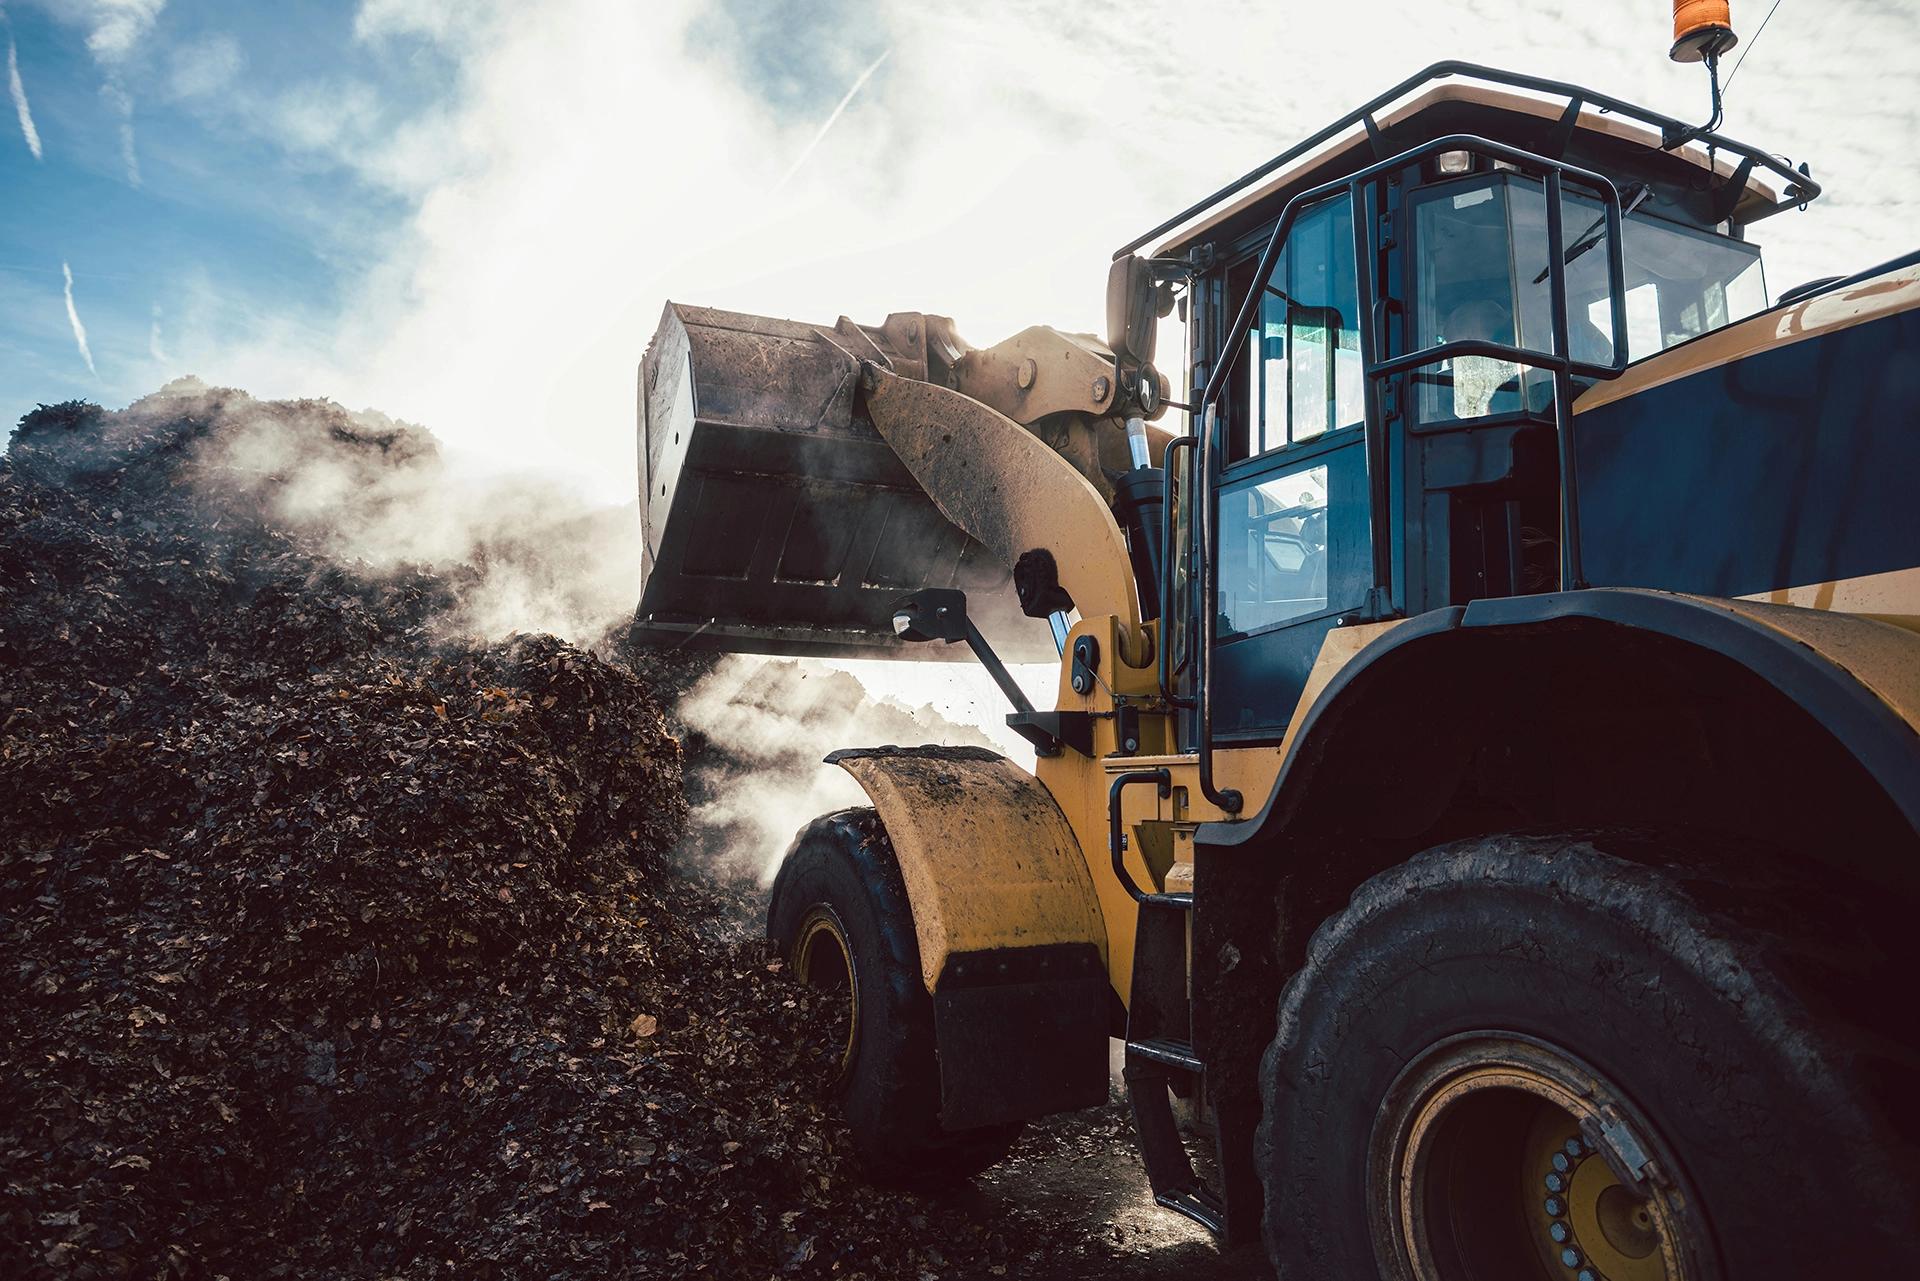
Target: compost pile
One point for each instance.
(334, 944)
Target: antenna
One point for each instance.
(1741, 61)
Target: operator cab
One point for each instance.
(1472, 233)
(1385, 426)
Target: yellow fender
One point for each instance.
(988, 859)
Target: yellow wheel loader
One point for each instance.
(1483, 777)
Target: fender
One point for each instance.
(1012, 942)
(988, 859)
(1858, 677)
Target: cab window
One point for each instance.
(1302, 375)
(1481, 272)
(1480, 249)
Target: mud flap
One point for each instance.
(1021, 1033)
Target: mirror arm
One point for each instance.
(997, 669)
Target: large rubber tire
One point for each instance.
(890, 1092)
(1609, 960)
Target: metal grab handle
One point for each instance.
(1207, 492)
(1167, 623)
(1116, 839)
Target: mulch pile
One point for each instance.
(332, 946)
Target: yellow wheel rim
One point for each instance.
(1497, 1155)
(823, 958)
(1611, 1230)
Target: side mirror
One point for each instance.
(1134, 302)
(938, 613)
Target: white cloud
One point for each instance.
(73, 318)
(116, 32)
(204, 68)
(432, 19)
(18, 91)
(328, 116)
(598, 157)
(116, 27)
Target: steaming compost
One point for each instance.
(337, 944)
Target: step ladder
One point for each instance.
(1160, 1052)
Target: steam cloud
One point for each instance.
(520, 555)
(757, 730)
(527, 556)
(524, 555)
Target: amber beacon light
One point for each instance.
(1701, 29)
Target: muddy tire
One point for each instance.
(839, 891)
(1505, 1035)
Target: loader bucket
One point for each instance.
(777, 521)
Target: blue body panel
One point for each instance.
(1796, 465)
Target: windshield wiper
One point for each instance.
(1597, 230)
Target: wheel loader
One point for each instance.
(1482, 788)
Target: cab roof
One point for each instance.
(1548, 117)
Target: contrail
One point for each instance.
(122, 103)
(79, 330)
(806, 151)
(154, 349)
(19, 92)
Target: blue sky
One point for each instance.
(213, 203)
(468, 213)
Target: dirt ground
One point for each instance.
(1079, 1175)
(1071, 1199)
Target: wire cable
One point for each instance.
(1738, 62)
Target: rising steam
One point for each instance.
(525, 556)
(757, 729)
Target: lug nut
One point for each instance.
(1556, 1183)
(1559, 1233)
(1555, 1207)
(1562, 1162)
(1586, 1274)
(1574, 1147)
(1570, 1257)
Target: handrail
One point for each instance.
(1800, 186)
(1167, 479)
(1375, 370)
(1116, 839)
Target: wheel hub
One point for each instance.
(1498, 1155)
(823, 958)
(1591, 1225)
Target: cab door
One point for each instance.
(1293, 540)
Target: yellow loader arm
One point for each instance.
(797, 481)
